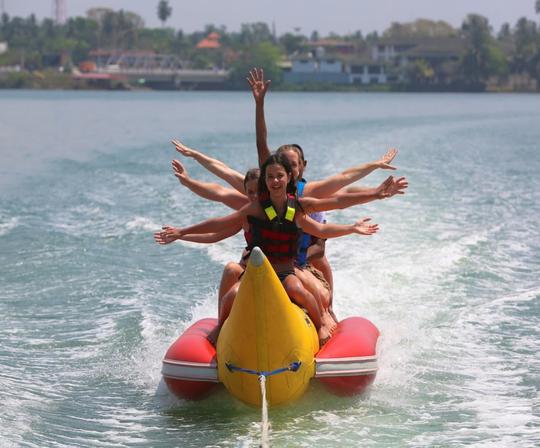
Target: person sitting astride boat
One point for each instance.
(278, 207)
(312, 250)
(312, 268)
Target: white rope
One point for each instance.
(264, 409)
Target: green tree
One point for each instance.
(255, 33)
(476, 62)
(526, 46)
(420, 73)
(505, 33)
(420, 28)
(265, 55)
(164, 11)
(291, 42)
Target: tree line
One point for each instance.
(514, 49)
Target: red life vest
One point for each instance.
(276, 236)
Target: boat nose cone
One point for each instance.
(257, 257)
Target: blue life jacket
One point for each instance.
(306, 239)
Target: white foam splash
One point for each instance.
(6, 227)
(142, 223)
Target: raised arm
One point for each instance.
(211, 191)
(326, 187)
(388, 188)
(217, 167)
(169, 234)
(259, 87)
(330, 230)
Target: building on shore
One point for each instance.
(389, 61)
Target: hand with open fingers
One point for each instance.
(179, 171)
(257, 83)
(384, 188)
(398, 186)
(183, 149)
(167, 235)
(363, 227)
(384, 162)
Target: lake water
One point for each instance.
(89, 303)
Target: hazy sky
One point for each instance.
(340, 16)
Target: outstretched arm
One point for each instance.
(326, 187)
(387, 189)
(329, 230)
(208, 190)
(217, 167)
(259, 87)
(169, 234)
(224, 223)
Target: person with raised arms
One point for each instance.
(279, 214)
(317, 280)
(312, 250)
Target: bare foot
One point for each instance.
(328, 321)
(213, 335)
(324, 335)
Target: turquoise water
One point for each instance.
(90, 303)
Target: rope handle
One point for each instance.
(292, 367)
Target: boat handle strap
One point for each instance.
(292, 367)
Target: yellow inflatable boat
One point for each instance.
(266, 334)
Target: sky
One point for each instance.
(304, 16)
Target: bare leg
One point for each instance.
(314, 286)
(230, 275)
(322, 265)
(225, 303)
(301, 296)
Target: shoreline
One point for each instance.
(54, 80)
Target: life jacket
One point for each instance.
(276, 236)
(306, 239)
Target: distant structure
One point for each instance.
(59, 7)
(210, 42)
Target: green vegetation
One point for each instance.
(484, 58)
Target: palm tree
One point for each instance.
(164, 11)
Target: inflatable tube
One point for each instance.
(267, 334)
(189, 366)
(347, 364)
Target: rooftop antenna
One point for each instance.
(60, 11)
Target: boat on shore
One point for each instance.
(268, 335)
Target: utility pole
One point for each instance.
(60, 11)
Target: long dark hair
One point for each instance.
(276, 159)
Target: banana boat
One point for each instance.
(268, 335)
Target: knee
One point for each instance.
(295, 290)
(231, 269)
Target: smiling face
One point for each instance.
(297, 164)
(276, 179)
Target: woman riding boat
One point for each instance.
(274, 222)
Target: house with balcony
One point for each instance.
(441, 53)
(319, 66)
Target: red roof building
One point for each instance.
(210, 42)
